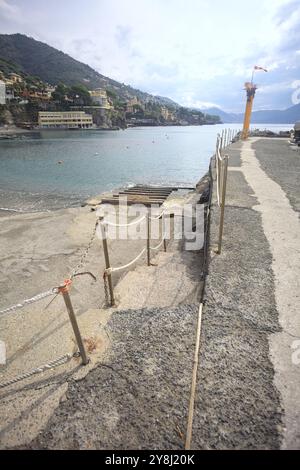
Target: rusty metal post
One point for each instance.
(218, 151)
(148, 239)
(107, 262)
(224, 184)
(69, 306)
(163, 229)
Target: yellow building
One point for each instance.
(99, 97)
(167, 114)
(65, 120)
(132, 103)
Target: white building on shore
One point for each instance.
(2, 93)
(65, 120)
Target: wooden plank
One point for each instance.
(143, 194)
(147, 190)
(171, 188)
(138, 197)
(151, 187)
(132, 201)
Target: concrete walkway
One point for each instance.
(249, 379)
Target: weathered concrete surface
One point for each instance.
(278, 201)
(37, 252)
(281, 162)
(248, 388)
(138, 399)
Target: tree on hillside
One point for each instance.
(60, 93)
(80, 95)
(111, 94)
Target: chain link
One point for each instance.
(85, 253)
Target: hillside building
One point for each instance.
(167, 114)
(10, 94)
(2, 93)
(99, 97)
(65, 120)
(15, 78)
(132, 103)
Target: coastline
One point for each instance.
(11, 130)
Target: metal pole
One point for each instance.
(163, 228)
(148, 240)
(219, 148)
(107, 262)
(69, 306)
(224, 184)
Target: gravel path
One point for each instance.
(138, 398)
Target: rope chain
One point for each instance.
(57, 362)
(25, 302)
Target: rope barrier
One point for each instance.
(159, 216)
(113, 270)
(218, 159)
(57, 362)
(159, 245)
(135, 222)
(194, 381)
(26, 302)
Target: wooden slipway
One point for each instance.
(141, 195)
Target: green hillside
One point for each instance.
(20, 53)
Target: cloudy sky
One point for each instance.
(197, 52)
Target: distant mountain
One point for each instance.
(286, 116)
(225, 117)
(24, 54)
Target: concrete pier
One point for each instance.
(249, 378)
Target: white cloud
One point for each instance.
(197, 51)
(9, 10)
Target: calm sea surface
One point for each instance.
(31, 177)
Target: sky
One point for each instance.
(197, 52)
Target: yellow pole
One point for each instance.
(250, 88)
